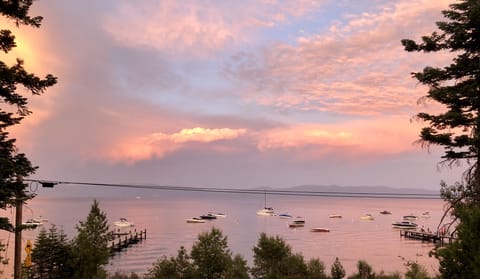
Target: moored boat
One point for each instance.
(320, 230)
(385, 212)
(267, 211)
(335, 216)
(298, 222)
(404, 225)
(123, 223)
(218, 214)
(31, 223)
(410, 217)
(367, 217)
(195, 220)
(208, 216)
(285, 216)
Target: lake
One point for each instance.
(163, 214)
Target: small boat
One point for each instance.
(218, 214)
(319, 230)
(367, 217)
(285, 216)
(123, 223)
(31, 223)
(267, 211)
(385, 212)
(208, 216)
(335, 216)
(410, 217)
(40, 219)
(297, 223)
(405, 225)
(195, 220)
(426, 214)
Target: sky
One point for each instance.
(235, 94)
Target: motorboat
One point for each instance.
(385, 212)
(40, 219)
(426, 214)
(31, 223)
(218, 214)
(195, 220)
(267, 211)
(123, 223)
(298, 222)
(367, 217)
(410, 217)
(405, 225)
(208, 216)
(335, 216)
(285, 216)
(320, 230)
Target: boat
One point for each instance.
(218, 214)
(266, 211)
(426, 214)
(123, 223)
(298, 222)
(385, 212)
(319, 230)
(31, 223)
(195, 220)
(208, 216)
(335, 216)
(410, 217)
(367, 217)
(40, 219)
(285, 216)
(404, 225)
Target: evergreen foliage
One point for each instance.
(15, 107)
(337, 271)
(457, 87)
(90, 251)
(50, 255)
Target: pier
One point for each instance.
(427, 236)
(122, 240)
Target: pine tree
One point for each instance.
(14, 164)
(90, 251)
(337, 271)
(50, 255)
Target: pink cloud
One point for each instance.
(197, 29)
(359, 67)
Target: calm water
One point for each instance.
(163, 214)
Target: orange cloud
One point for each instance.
(159, 145)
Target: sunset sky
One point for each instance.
(238, 94)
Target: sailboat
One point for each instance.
(266, 211)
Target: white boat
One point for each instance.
(410, 217)
(335, 216)
(123, 223)
(404, 225)
(195, 220)
(426, 214)
(31, 223)
(320, 230)
(367, 217)
(40, 219)
(267, 211)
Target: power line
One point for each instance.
(339, 194)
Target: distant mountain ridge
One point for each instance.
(356, 189)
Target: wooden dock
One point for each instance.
(427, 237)
(122, 240)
